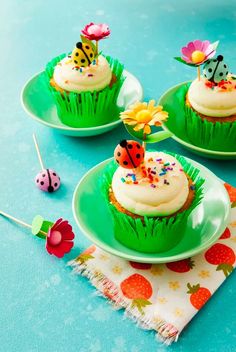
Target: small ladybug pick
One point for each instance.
(46, 180)
(129, 154)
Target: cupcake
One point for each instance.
(209, 102)
(150, 194)
(85, 84)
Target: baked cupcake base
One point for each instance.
(218, 134)
(149, 234)
(212, 119)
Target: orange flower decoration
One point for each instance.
(142, 115)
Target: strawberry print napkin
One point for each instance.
(162, 297)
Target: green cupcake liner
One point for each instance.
(87, 109)
(205, 134)
(157, 234)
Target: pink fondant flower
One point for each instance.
(96, 32)
(60, 238)
(197, 52)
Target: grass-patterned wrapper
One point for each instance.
(87, 109)
(219, 136)
(153, 234)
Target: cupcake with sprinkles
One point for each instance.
(85, 83)
(209, 102)
(150, 194)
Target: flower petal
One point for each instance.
(139, 127)
(61, 249)
(186, 52)
(130, 123)
(147, 129)
(151, 104)
(186, 59)
(209, 56)
(198, 44)
(55, 225)
(205, 45)
(191, 47)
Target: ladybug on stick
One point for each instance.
(129, 154)
(216, 70)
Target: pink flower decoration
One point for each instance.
(60, 238)
(197, 52)
(96, 32)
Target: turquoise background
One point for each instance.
(42, 306)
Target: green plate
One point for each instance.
(170, 103)
(38, 104)
(205, 225)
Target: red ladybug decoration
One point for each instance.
(129, 154)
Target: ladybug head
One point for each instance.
(79, 45)
(123, 143)
(220, 58)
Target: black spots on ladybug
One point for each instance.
(227, 72)
(225, 66)
(54, 174)
(117, 161)
(50, 189)
(118, 154)
(138, 146)
(87, 47)
(37, 180)
(221, 74)
(55, 184)
(209, 69)
(143, 155)
(138, 156)
(91, 55)
(83, 61)
(125, 162)
(123, 143)
(41, 183)
(75, 61)
(43, 175)
(215, 60)
(129, 146)
(76, 54)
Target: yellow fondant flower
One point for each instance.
(142, 115)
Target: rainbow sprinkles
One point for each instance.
(154, 173)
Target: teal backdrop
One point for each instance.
(43, 307)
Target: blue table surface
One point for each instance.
(43, 307)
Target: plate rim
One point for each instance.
(186, 144)
(152, 260)
(65, 127)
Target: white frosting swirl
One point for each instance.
(165, 198)
(92, 78)
(212, 102)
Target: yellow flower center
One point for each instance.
(197, 56)
(143, 116)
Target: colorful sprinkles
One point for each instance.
(223, 86)
(151, 174)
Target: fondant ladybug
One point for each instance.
(47, 180)
(216, 70)
(129, 154)
(83, 54)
